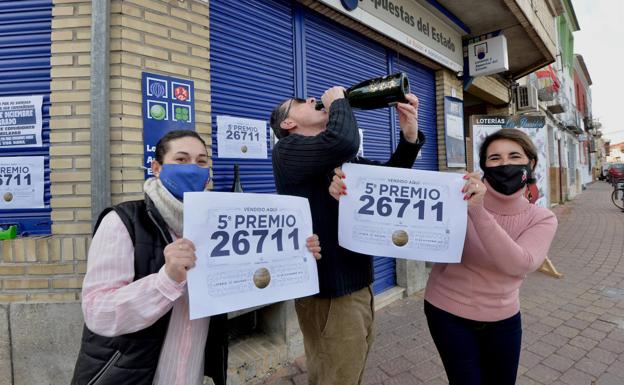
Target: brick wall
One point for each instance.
(168, 37)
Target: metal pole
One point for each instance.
(100, 108)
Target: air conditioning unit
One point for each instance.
(526, 98)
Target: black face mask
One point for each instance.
(509, 178)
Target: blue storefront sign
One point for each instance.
(168, 104)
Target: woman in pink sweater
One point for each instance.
(473, 307)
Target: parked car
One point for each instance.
(616, 172)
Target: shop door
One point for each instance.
(272, 50)
(251, 70)
(25, 30)
(422, 84)
(336, 55)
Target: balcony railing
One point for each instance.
(559, 104)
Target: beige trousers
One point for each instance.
(337, 336)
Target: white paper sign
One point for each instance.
(241, 138)
(20, 121)
(251, 250)
(21, 182)
(488, 56)
(403, 213)
(361, 149)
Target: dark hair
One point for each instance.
(163, 144)
(516, 136)
(277, 117)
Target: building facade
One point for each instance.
(87, 60)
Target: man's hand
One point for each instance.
(179, 258)
(332, 94)
(408, 118)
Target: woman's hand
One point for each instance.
(314, 246)
(474, 189)
(179, 258)
(337, 186)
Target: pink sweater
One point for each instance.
(506, 238)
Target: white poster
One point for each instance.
(361, 149)
(403, 213)
(534, 126)
(241, 138)
(454, 127)
(251, 250)
(489, 56)
(20, 121)
(21, 182)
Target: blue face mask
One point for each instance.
(181, 178)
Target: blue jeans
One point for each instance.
(474, 352)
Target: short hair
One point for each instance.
(163, 144)
(278, 115)
(516, 136)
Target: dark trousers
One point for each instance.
(473, 352)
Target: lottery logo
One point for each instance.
(400, 238)
(157, 89)
(181, 93)
(157, 112)
(261, 278)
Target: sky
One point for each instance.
(601, 43)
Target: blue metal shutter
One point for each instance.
(25, 40)
(251, 66)
(336, 55)
(422, 84)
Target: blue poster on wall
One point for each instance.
(168, 104)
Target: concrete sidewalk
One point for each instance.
(573, 326)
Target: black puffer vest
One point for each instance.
(133, 358)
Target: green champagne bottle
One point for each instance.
(375, 93)
(236, 185)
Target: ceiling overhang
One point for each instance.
(528, 26)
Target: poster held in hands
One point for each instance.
(251, 250)
(403, 213)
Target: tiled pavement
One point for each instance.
(573, 327)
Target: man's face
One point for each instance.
(304, 115)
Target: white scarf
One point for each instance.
(169, 207)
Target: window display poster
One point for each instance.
(241, 137)
(534, 126)
(21, 182)
(20, 121)
(168, 104)
(454, 126)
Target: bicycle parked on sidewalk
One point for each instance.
(617, 196)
